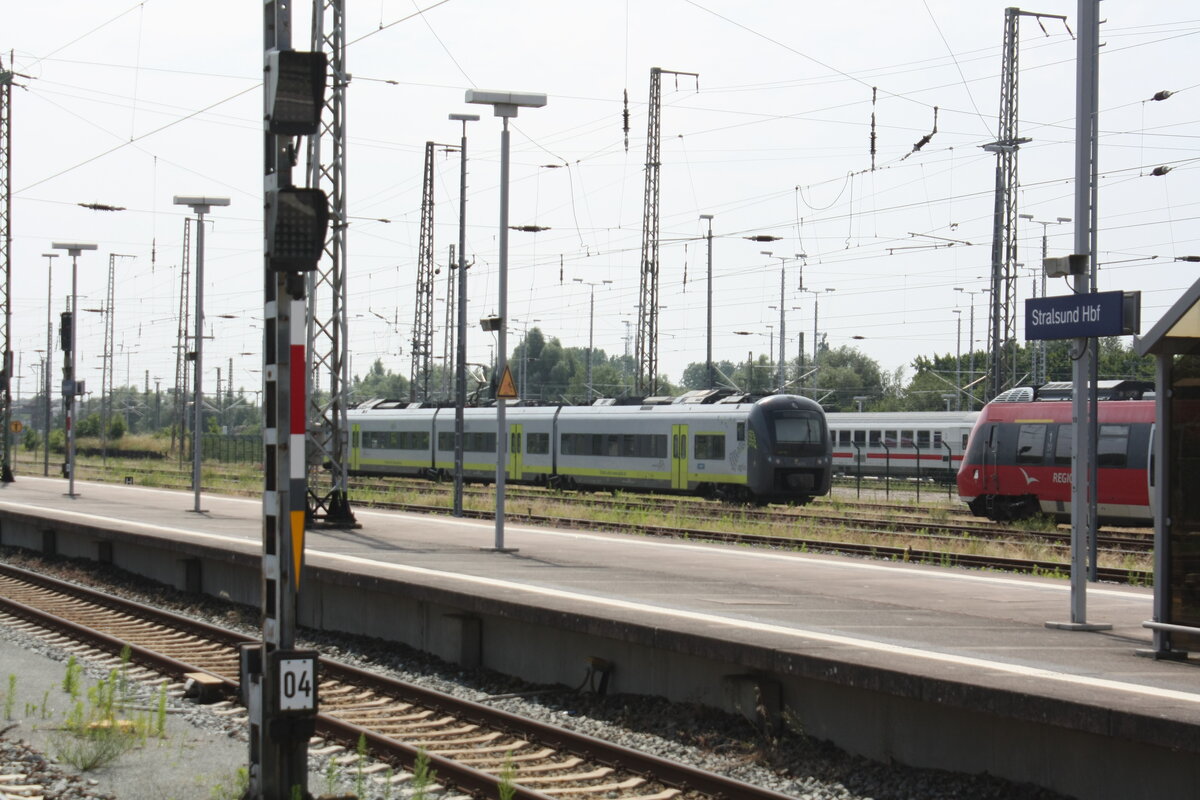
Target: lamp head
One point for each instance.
(200, 203)
(505, 104)
(72, 248)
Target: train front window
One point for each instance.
(795, 426)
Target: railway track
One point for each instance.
(701, 520)
(906, 554)
(468, 744)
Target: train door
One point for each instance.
(679, 456)
(355, 446)
(990, 478)
(516, 459)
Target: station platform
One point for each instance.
(929, 666)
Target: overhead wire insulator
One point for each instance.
(625, 117)
(1163, 95)
(874, 92)
(1158, 172)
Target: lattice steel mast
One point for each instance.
(1002, 319)
(182, 353)
(6, 83)
(106, 367)
(647, 333)
(448, 337)
(328, 340)
(422, 338)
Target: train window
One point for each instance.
(1062, 446)
(627, 445)
(906, 439)
(937, 438)
(874, 438)
(844, 438)
(1112, 446)
(537, 444)
(397, 440)
(741, 431)
(1031, 444)
(479, 442)
(964, 440)
(860, 438)
(709, 446)
(445, 441)
(891, 439)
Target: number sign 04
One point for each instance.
(297, 684)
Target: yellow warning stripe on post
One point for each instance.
(508, 389)
(297, 545)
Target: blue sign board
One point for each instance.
(1075, 316)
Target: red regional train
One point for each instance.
(1018, 459)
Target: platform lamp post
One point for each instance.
(201, 205)
(71, 389)
(708, 362)
(591, 319)
(970, 339)
(816, 293)
(460, 365)
(49, 355)
(504, 105)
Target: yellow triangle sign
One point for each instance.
(508, 389)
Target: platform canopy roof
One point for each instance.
(1178, 331)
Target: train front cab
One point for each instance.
(1018, 462)
(790, 451)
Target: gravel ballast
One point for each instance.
(202, 751)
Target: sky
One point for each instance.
(129, 104)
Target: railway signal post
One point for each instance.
(278, 681)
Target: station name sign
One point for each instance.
(1078, 316)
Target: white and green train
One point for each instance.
(776, 449)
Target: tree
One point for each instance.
(695, 375)
(380, 383)
(845, 373)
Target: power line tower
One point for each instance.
(647, 333)
(328, 339)
(1002, 319)
(422, 338)
(448, 338)
(6, 84)
(182, 353)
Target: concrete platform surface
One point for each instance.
(965, 626)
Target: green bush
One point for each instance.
(32, 440)
(58, 441)
(88, 426)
